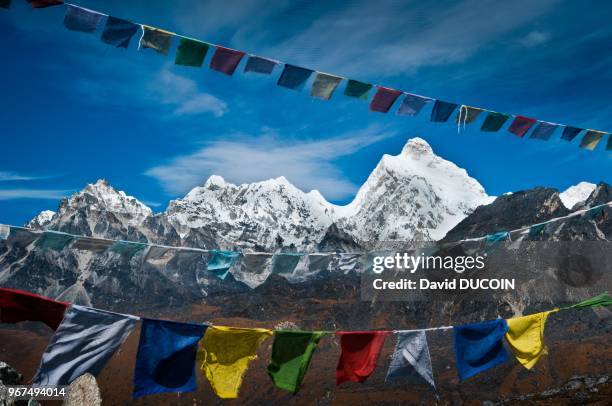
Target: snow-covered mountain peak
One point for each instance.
(41, 220)
(416, 147)
(576, 194)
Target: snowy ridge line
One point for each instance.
(205, 251)
(525, 229)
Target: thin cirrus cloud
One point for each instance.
(8, 176)
(307, 164)
(40, 194)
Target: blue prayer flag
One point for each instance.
(412, 105)
(294, 77)
(81, 19)
(569, 133)
(442, 111)
(166, 357)
(261, 65)
(544, 131)
(501, 236)
(118, 32)
(479, 346)
(221, 262)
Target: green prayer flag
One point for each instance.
(191, 52)
(291, 354)
(494, 121)
(358, 89)
(598, 301)
(128, 249)
(55, 241)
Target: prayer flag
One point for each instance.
(45, 3)
(127, 249)
(468, 114)
(156, 39)
(285, 263)
(526, 337)
(312, 264)
(442, 111)
(383, 99)
(5, 3)
(521, 125)
(191, 52)
(166, 357)
(360, 352)
(154, 253)
(494, 121)
(536, 230)
(22, 237)
(479, 347)
(569, 133)
(544, 130)
(17, 305)
(346, 262)
(294, 77)
(92, 244)
(500, 236)
(221, 262)
(81, 19)
(411, 355)
(253, 269)
(55, 241)
(591, 139)
(324, 85)
(83, 343)
(225, 60)
(225, 353)
(118, 32)
(291, 354)
(601, 300)
(609, 145)
(357, 89)
(5, 231)
(412, 105)
(261, 65)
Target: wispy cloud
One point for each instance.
(14, 176)
(307, 164)
(535, 38)
(40, 194)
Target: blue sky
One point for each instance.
(74, 109)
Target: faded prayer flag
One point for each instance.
(412, 105)
(468, 114)
(55, 241)
(285, 263)
(324, 85)
(127, 249)
(521, 125)
(569, 133)
(5, 231)
(118, 32)
(253, 269)
(226, 60)
(543, 131)
(442, 111)
(261, 65)
(220, 262)
(591, 139)
(81, 19)
(411, 355)
(92, 244)
(294, 77)
(494, 121)
(156, 39)
(355, 88)
(191, 52)
(383, 99)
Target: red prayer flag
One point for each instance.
(45, 3)
(17, 305)
(521, 125)
(225, 60)
(360, 351)
(384, 99)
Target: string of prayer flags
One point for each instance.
(521, 125)
(191, 52)
(543, 131)
(166, 357)
(220, 262)
(468, 114)
(5, 231)
(412, 105)
(479, 347)
(83, 343)
(285, 263)
(494, 121)
(291, 355)
(226, 60)
(156, 39)
(569, 133)
(294, 77)
(591, 139)
(257, 64)
(92, 244)
(17, 305)
(442, 110)
(127, 249)
(225, 354)
(81, 19)
(410, 357)
(525, 336)
(355, 88)
(383, 99)
(118, 32)
(360, 352)
(601, 300)
(54, 241)
(324, 86)
(45, 3)
(5, 3)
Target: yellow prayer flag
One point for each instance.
(526, 337)
(225, 353)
